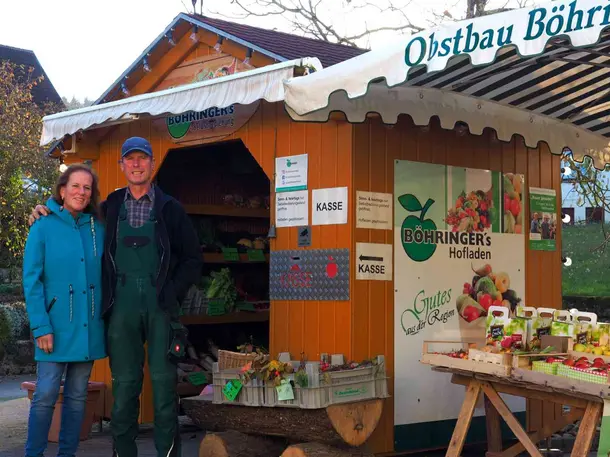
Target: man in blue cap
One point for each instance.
(151, 258)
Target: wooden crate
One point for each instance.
(484, 367)
(561, 384)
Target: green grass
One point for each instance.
(588, 274)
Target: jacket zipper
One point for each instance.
(92, 287)
(71, 294)
(93, 236)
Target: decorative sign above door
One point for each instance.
(211, 124)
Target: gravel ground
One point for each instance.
(14, 407)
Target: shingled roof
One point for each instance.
(45, 91)
(284, 44)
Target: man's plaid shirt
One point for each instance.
(138, 211)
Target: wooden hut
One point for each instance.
(220, 161)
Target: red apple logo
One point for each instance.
(331, 267)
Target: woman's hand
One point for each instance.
(45, 343)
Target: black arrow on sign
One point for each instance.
(371, 259)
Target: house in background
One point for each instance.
(577, 207)
(43, 92)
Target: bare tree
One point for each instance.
(329, 20)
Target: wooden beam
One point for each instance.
(544, 433)
(165, 65)
(464, 418)
(510, 420)
(521, 391)
(587, 429)
(492, 422)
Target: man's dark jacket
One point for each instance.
(179, 251)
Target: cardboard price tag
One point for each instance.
(284, 391)
(231, 389)
(256, 255)
(197, 378)
(230, 254)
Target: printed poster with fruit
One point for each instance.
(459, 249)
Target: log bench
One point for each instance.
(240, 431)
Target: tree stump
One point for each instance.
(355, 422)
(236, 444)
(322, 450)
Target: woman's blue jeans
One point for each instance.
(48, 383)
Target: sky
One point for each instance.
(84, 46)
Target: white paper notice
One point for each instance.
(374, 261)
(329, 206)
(291, 209)
(291, 173)
(374, 210)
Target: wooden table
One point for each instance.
(589, 406)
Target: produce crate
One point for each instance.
(486, 366)
(334, 387)
(562, 381)
(476, 355)
(364, 389)
(543, 367)
(251, 394)
(581, 375)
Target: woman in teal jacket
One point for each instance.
(63, 292)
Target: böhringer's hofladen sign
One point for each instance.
(459, 248)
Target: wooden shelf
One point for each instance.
(231, 318)
(213, 257)
(227, 210)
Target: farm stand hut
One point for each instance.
(398, 143)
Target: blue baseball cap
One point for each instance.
(136, 143)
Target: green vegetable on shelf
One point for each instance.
(223, 288)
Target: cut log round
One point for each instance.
(351, 423)
(355, 422)
(321, 450)
(298, 425)
(236, 444)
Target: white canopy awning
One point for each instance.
(542, 73)
(244, 88)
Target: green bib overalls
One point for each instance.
(135, 319)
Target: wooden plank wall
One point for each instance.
(312, 327)
(375, 149)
